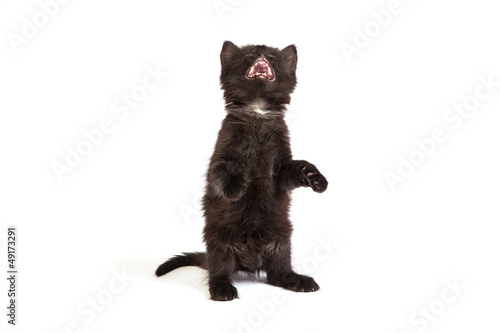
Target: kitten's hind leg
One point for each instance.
(293, 281)
(221, 289)
(221, 267)
(280, 273)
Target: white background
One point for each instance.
(134, 200)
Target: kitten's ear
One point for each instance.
(289, 53)
(228, 50)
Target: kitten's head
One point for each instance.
(254, 72)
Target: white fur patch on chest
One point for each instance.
(259, 107)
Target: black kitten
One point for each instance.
(251, 175)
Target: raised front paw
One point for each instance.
(313, 178)
(234, 167)
(234, 190)
(235, 184)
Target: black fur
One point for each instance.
(185, 259)
(251, 176)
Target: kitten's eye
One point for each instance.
(270, 56)
(247, 56)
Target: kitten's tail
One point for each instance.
(184, 259)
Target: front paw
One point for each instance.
(313, 178)
(234, 190)
(235, 182)
(234, 167)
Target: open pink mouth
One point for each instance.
(260, 69)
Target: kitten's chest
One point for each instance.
(262, 143)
